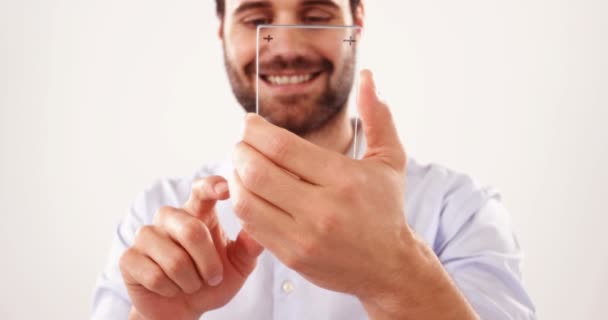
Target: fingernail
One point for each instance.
(220, 187)
(215, 281)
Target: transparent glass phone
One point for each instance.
(307, 78)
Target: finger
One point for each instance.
(172, 259)
(268, 225)
(243, 253)
(203, 196)
(299, 156)
(139, 270)
(272, 183)
(194, 236)
(380, 132)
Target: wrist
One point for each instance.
(419, 288)
(135, 315)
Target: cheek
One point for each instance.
(338, 61)
(240, 48)
(331, 46)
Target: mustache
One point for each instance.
(298, 63)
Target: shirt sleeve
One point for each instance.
(478, 248)
(110, 298)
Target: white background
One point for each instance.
(99, 98)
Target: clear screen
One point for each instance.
(307, 78)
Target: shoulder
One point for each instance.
(447, 187)
(440, 201)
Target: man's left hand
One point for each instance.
(337, 221)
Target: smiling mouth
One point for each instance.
(292, 79)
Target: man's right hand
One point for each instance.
(183, 265)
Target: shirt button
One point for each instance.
(288, 287)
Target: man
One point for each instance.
(317, 235)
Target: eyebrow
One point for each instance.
(327, 3)
(249, 5)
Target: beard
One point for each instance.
(298, 113)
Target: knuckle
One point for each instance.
(155, 279)
(248, 227)
(143, 233)
(196, 286)
(193, 231)
(249, 122)
(195, 188)
(177, 263)
(400, 159)
(351, 182)
(162, 214)
(241, 207)
(213, 268)
(252, 174)
(335, 167)
(359, 178)
(165, 210)
(278, 148)
(308, 247)
(327, 224)
(199, 186)
(346, 187)
(125, 259)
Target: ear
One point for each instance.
(220, 29)
(359, 19)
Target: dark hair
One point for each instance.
(220, 7)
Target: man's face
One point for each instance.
(305, 77)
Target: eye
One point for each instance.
(316, 16)
(255, 21)
(316, 19)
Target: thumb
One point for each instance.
(378, 126)
(244, 252)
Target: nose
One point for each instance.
(285, 42)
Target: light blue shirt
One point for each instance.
(464, 223)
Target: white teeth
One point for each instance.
(283, 80)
